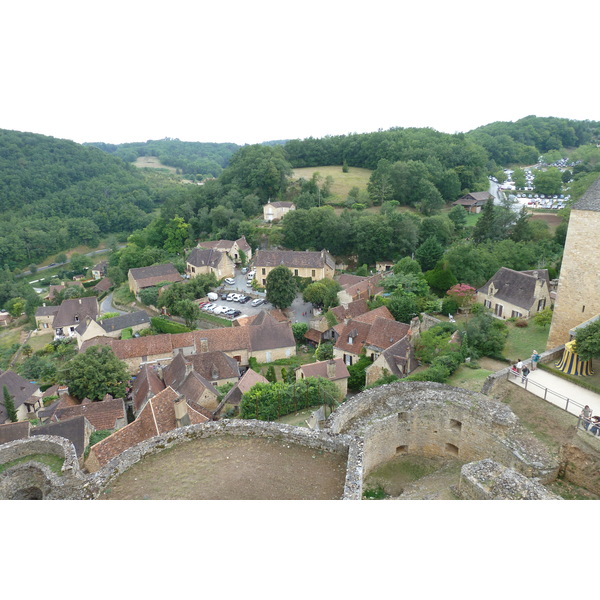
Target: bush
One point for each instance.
(163, 325)
(449, 307)
(521, 323)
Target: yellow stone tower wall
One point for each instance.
(578, 293)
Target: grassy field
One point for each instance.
(522, 341)
(342, 182)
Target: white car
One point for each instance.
(257, 302)
(230, 297)
(209, 307)
(229, 281)
(220, 309)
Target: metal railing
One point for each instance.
(548, 393)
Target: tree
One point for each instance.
(587, 341)
(299, 329)
(428, 253)
(462, 294)
(95, 373)
(189, 310)
(543, 318)
(485, 228)
(403, 308)
(9, 405)
(458, 215)
(322, 293)
(281, 287)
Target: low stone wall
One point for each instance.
(34, 480)
(432, 419)
(321, 440)
(489, 480)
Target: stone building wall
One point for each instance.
(578, 294)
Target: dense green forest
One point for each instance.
(193, 160)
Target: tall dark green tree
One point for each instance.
(9, 405)
(281, 287)
(485, 228)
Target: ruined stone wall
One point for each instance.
(321, 440)
(34, 480)
(431, 419)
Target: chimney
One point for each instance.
(63, 390)
(214, 372)
(188, 368)
(182, 418)
(330, 369)
(203, 345)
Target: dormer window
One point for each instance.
(76, 318)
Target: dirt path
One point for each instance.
(234, 468)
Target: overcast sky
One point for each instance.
(247, 72)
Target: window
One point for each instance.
(314, 273)
(487, 303)
(541, 304)
(498, 311)
(296, 272)
(516, 313)
(264, 271)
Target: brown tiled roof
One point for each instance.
(243, 244)
(214, 365)
(146, 385)
(319, 369)
(353, 337)
(249, 379)
(376, 313)
(369, 286)
(149, 276)
(281, 204)
(221, 245)
(346, 279)
(358, 307)
(157, 417)
(270, 336)
(148, 345)
(398, 355)
(473, 199)
(102, 415)
(384, 333)
(103, 285)
(293, 259)
(75, 311)
(313, 335)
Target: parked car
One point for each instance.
(230, 297)
(244, 299)
(220, 310)
(209, 307)
(256, 302)
(244, 270)
(236, 313)
(229, 281)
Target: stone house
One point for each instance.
(202, 261)
(72, 313)
(136, 321)
(398, 359)
(335, 370)
(99, 270)
(233, 249)
(145, 277)
(105, 415)
(275, 211)
(356, 288)
(44, 315)
(26, 396)
(520, 294)
(313, 265)
(264, 338)
(5, 318)
(232, 399)
(372, 337)
(473, 202)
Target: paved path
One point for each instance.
(557, 390)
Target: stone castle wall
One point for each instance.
(578, 293)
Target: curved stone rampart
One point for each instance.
(432, 419)
(35, 480)
(321, 440)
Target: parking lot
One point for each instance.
(237, 296)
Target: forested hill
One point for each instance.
(56, 194)
(502, 143)
(194, 160)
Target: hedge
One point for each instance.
(165, 326)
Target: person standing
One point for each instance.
(519, 366)
(535, 358)
(524, 373)
(586, 415)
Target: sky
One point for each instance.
(247, 72)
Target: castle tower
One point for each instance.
(578, 293)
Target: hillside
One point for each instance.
(56, 194)
(193, 160)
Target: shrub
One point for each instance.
(163, 325)
(521, 323)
